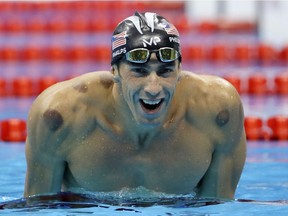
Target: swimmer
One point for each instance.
(146, 123)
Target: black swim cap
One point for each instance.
(143, 30)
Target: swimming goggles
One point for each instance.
(142, 55)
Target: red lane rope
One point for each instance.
(255, 84)
(256, 128)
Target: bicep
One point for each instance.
(44, 172)
(45, 166)
(224, 172)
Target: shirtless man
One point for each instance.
(144, 123)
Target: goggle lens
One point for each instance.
(168, 54)
(137, 55)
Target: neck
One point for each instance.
(140, 135)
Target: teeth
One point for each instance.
(154, 102)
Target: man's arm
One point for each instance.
(224, 172)
(45, 161)
(44, 172)
(229, 153)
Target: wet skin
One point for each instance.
(149, 125)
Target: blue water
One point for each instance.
(264, 180)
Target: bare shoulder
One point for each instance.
(206, 84)
(213, 104)
(209, 89)
(71, 91)
(65, 96)
(60, 109)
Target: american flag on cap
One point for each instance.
(119, 40)
(170, 29)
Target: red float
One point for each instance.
(266, 54)
(235, 81)
(281, 84)
(196, 53)
(253, 128)
(13, 130)
(219, 53)
(22, 87)
(279, 127)
(257, 84)
(242, 54)
(45, 82)
(3, 87)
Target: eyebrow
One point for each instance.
(168, 64)
(164, 65)
(155, 61)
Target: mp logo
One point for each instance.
(153, 40)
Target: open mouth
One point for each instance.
(151, 106)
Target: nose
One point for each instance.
(153, 87)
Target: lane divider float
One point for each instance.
(274, 128)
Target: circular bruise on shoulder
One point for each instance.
(223, 117)
(81, 87)
(53, 119)
(106, 83)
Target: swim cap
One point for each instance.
(143, 30)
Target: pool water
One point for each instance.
(262, 190)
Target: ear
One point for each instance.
(115, 73)
(179, 71)
(180, 66)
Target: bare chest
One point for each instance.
(172, 164)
